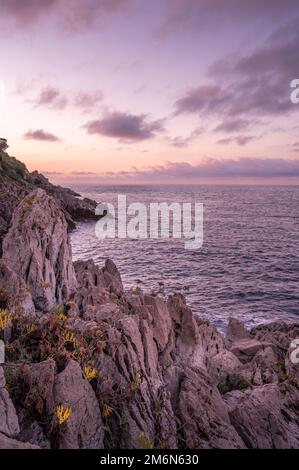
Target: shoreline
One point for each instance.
(111, 369)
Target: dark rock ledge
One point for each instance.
(89, 365)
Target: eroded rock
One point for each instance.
(37, 248)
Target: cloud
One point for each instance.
(182, 142)
(83, 173)
(239, 140)
(233, 125)
(88, 100)
(201, 14)
(52, 173)
(72, 15)
(42, 135)
(125, 127)
(253, 85)
(25, 12)
(213, 168)
(52, 98)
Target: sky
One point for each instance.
(166, 91)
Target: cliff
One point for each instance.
(16, 182)
(89, 365)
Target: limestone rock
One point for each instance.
(8, 443)
(277, 333)
(16, 182)
(14, 293)
(235, 331)
(37, 248)
(223, 365)
(84, 428)
(245, 349)
(266, 417)
(95, 283)
(203, 418)
(9, 424)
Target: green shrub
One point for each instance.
(232, 382)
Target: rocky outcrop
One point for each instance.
(37, 248)
(8, 443)
(263, 416)
(106, 368)
(9, 424)
(84, 429)
(235, 331)
(16, 182)
(14, 293)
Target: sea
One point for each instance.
(247, 266)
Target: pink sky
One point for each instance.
(161, 91)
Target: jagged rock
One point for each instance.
(266, 417)
(265, 367)
(84, 429)
(112, 277)
(32, 432)
(16, 182)
(223, 365)
(39, 381)
(73, 205)
(37, 248)
(277, 333)
(35, 402)
(246, 349)
(235, 331)
(189, 339)
(159, 369)
(9, 424)
(8, 443)
(14, 294)
(94, 283)
(203, 419)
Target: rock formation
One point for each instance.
(37, 248)
(107, 368)
(16, 182)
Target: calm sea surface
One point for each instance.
(249, 262)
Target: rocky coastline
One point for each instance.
(16, 182)
(91, 365)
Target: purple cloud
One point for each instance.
(73, 15)
(52, 173)
(212, 168)
(88, 100)
(239, 140)
(233, 125)
(51, 98)
(125, 127)
(199, 14)
(182, 142)
(257, 84)
(25, 12)
(42, 135)
(80, 15)
(83, 173)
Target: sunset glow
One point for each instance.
(135, 91)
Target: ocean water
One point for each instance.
(248, 265)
